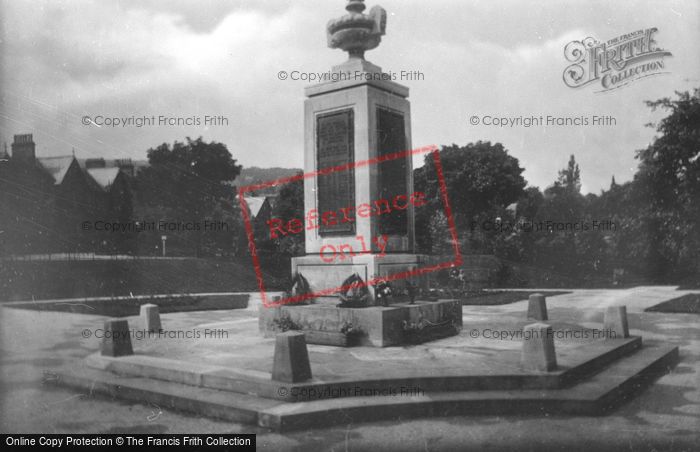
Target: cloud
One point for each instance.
(62, 60)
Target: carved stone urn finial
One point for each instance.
(355, 6)
(356, 32)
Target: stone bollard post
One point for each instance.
(117, 339)
(615, 322)
(538, 348)
(537, 307)
(291, 362)
(150, 315)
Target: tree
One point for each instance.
(657, 213)
(275, 253)
(290, 205)
(668, 184)
(186, 184)
(522, 241)
(566, 247)
(529, 203)
(570, 177)
(481, 179)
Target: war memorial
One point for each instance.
(363, 335)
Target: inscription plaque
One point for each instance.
(336, 190)
(391, 137)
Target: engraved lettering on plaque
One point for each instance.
(391, 137)
(336, 190)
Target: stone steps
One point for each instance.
(231, 406)
(596, 395)
(588, 361)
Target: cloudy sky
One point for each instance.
(63, 60)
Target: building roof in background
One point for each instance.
(103, 176)
(57, 167)
(114, 163)
(255, 203)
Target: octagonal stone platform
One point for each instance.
(228, 376)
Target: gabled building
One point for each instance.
(46, 200)
(260, 210)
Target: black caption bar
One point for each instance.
(96, 442)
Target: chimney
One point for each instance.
(23, 148)
(126, 166)
(4, 157)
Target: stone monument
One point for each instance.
(360, 116)
(357, 130)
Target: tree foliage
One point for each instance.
(570, 177)
(481, 179)
(189, 183)
(663, 201)
(290, 205)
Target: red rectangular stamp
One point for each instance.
(343, 219)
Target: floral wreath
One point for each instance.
(354, 292)
(300, 287)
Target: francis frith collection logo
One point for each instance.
(616, 62)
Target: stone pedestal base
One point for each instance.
(116, 340)
(375, 326)
(291, 362)
(324, 275)
(150, 316)
(537, 307)
(615, 322)
(538, 348)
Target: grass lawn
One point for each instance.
(43, 280)
(123, 307)
(686, 304)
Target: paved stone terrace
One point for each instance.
(665, 417)
(237, 343)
